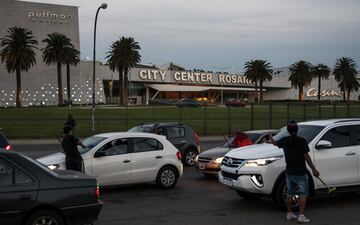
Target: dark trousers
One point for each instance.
(74, 164)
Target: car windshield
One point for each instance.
(252, 136)
(308, 132)
(144, 129)
(90, 143)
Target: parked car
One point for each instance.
(32, 194)
(126, 158)
(209, 161)
(259, 170)
(186, 102)
(4, 143)
(184, 138)
(234, 102)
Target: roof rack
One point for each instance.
(347, 120)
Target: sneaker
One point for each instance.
(291, 216)
(303, 219)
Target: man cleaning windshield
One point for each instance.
(296, 152)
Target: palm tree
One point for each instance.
(322, 72)
(55, 53)
(300, 76)
(72, 57)
(352, 84)
(18, 54)
(258, 70)
(123, 54)
(345, 71)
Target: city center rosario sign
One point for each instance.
(168, 76)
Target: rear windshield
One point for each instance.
(90, 143)
(3, 141)
(308, 132)
(39, 164)
(143, 129)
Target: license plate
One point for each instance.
(227, 182)
(201, 166)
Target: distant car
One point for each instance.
(209, 162)
(234, 102)
(185, 102)
(4, 143)
(184, 138)
(126, 158)
(32, 194)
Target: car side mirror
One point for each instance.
(323, 144)
(99, 154)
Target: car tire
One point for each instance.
(45, 217)
(247, 195)
(280, 197)
(189, 157)
(167, 177)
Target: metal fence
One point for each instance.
(44, 122)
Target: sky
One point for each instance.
(210, 34)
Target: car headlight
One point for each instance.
(218, 160)
(54, 166)
(262, 162)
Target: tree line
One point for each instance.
(302, 73)
(19, 45)
(18, 54)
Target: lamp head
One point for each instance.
(103, 6)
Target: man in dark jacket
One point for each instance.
(69, 143)
(296, 151)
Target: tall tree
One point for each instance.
(300, 76)
(352, 84)
(54, 53)
(322, 72)
(258, 71)
(18, 54)
(345, 71)
(72, 58)
(123, 54)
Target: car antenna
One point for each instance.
(222, 134)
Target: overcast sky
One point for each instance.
(205, 33)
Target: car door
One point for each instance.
(176, 136)
(111, 163)
(18, 192)
(355, 141)
(148, 157)
(337, 164)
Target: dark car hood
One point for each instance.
(214, 153)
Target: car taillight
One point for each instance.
(8, 147)
(197, 140)
(178, 155)
(97, 192)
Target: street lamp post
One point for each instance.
(222, 85)
(103, 6)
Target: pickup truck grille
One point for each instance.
(230, 175)
(204, 160)
(232, 162)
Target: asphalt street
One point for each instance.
(197, 200)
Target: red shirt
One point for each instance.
(241, 140)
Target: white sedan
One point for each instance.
(124, 158)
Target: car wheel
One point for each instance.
(247, 195)
(189, 157)
(45, 217)
(167, 177)
(280, 197)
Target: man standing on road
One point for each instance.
(296, 152)
(241, 139)
(69, 143)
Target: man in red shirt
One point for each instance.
(241, 139)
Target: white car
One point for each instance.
(259, 170)
(124, 158)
